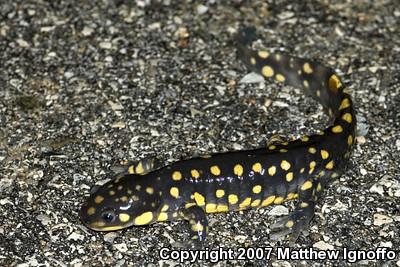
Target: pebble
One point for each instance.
(252, 77)
(381, 219)
(322, 245)
(22, 43)
(87, 31)
(278, 210)
(105, 45)
(201, 9)
(122, 247)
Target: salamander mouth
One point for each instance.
(100, 226)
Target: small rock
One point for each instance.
(43, 219)
(381, 219)
(105, 45)
(278, 211)
(121, 247)
(75, 236)
(87, 31)
(22, 43)
(252, 77)
(323, 246)
(201, 9)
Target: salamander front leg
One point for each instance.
(198, 224)
(297, 221)
(141, 167)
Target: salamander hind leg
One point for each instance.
(298, 220)
(198, 223)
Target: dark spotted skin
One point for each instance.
(238, 180)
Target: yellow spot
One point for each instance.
(176, 176)
(220, 193)
(283, 150)
(307, 68)
(306, 185)
(263, 54)
(253, 61)
(279, 200)
(334, 83)
(319, 187)
(304, 204)
(211, 207)
(257, 167)
(165, 207)
(289, 176)
(197, 227)
(257, 189)
(138, 187)
(291, 196)
(347, 117)
(268, 201)
(144, 218)
(124, 199)
(195, 173)
(174, 192)
(134, 198)
(312, 164)
(222, 208)
(302, 170)
(215, 170)
(91, 211)
(98, 199)
(324, 154)
(337, 129)
(350, 140)
(285, 165)
(267, 71)
(200, 200)
(119, 188)
(245, 203)
(306, 84)
(312, 150)
(111, 192)
(150, 190)
(255, 203)
(123, 217)
(188, 205)
(318, 93)
(163, 216)
(139, 168)
(304, 138)
(232, 199)
(345, 104)
(289, 224)
(280, 78)
(131, 169)
(238, 170)
(277, 57)
(329, 165)
(335, 175)
(271, 170)
(272, 147)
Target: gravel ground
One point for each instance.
(86, 85)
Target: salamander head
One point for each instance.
(125, 201)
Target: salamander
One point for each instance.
(189, 189)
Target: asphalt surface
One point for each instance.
(86, 85)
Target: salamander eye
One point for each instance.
(108, 215)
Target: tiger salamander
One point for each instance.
(239, 180)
